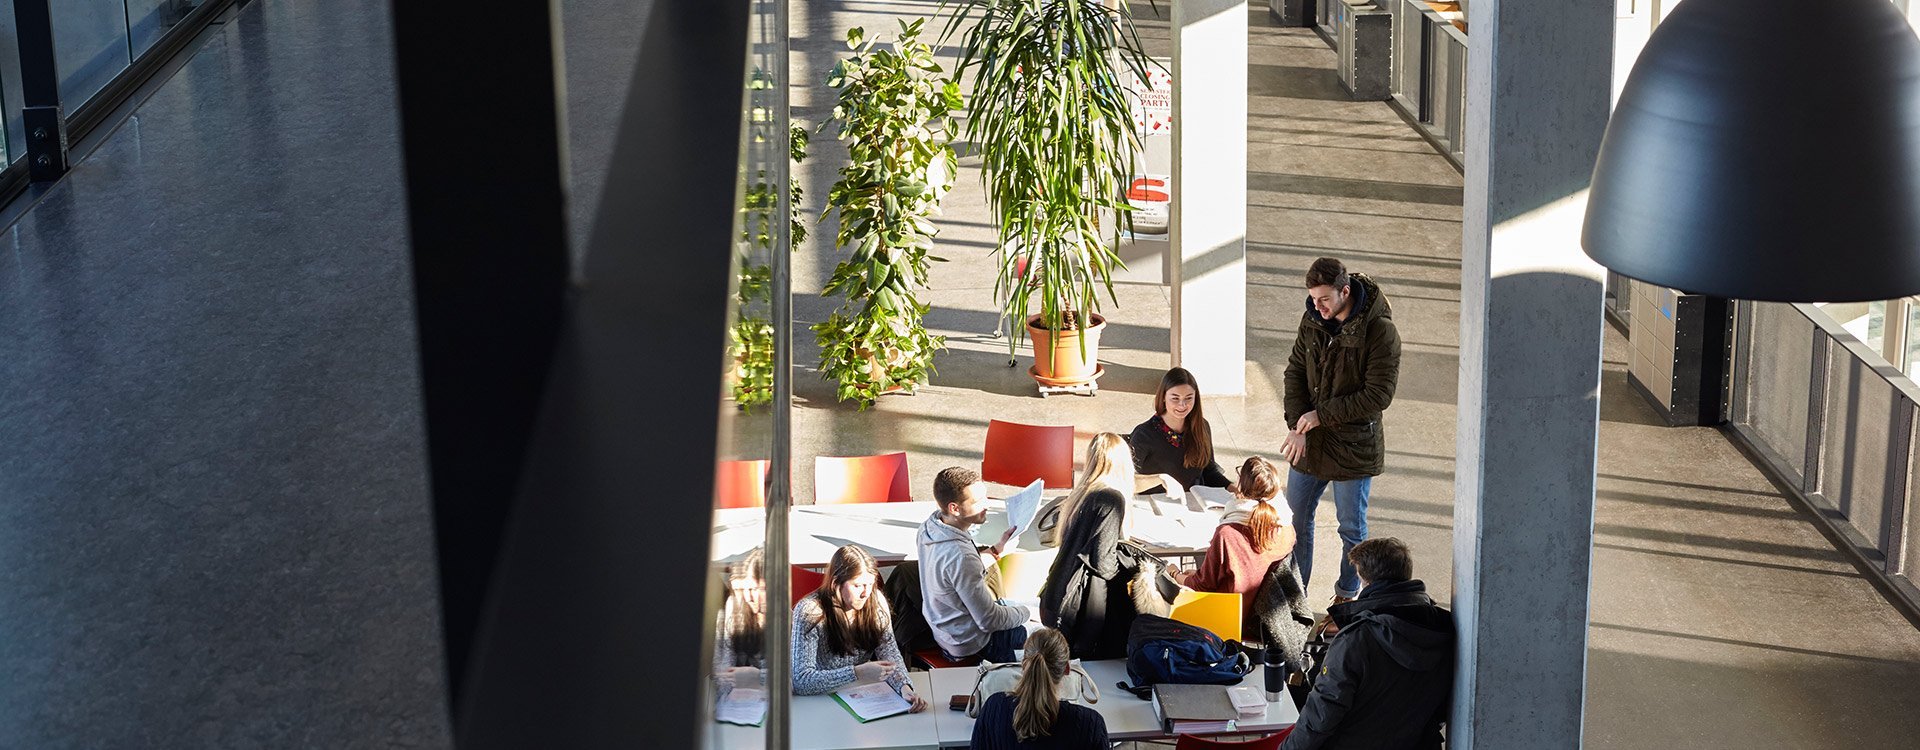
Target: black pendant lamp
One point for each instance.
(1766, 150)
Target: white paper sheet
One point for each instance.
(1212, 497)
(744, 706)
(871, 701)
(1022, 506)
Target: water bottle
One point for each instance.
(1275, 671)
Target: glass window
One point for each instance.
(148, 20)
(90, 40)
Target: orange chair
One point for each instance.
(805, 582)
(740, 484)
(1219, 613)
(1269, 742)
(861, 479)
(1020, 453)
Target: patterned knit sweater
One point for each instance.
(816, 670)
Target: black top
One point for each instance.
(1157, 449)
(1075, 727)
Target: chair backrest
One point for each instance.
(740, 484)
(1023, 572)
(1020, 453)
(1269, 742)
(1219, 613)
(861, 479)
(805, 582)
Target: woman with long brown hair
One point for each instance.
(1033, 716)
(843, 633)
(1254, 533)
(739, 644)
(1173, 450)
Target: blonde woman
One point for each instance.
(1033, 715)
(1099, 582)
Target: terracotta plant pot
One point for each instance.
(1057, 361)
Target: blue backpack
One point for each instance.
(1160, 651)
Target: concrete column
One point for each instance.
(1209, 222)
(1538, 82)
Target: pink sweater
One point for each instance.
(1232, 567)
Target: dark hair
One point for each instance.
(746, 630)
(859, 631)
(1260, 481)
(1041, 669)
(950, 486)
(1327, 272)
(1199, 448)
(1383, 560)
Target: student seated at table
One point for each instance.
(1173, 450)
(967, 620)
(842, 634)
(1254, 533)
(1099, 582)
(739, 654)
(1033, 716)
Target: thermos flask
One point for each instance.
(1275, 672)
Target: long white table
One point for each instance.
(1127, 717)
(819, 723)
(888, 530)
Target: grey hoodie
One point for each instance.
(953, 591)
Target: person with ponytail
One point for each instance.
(1173, 450)
(1099, 582)
(739, 644)
(1254, 533)
(1033, 716)
(843, 633)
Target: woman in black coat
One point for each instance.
(1176, 443)
(1099, 582)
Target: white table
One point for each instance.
(820, 723)
(888, 530)
(1127, 717)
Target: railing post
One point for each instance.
(1816, 409)
(44, 120)
(1894, 499)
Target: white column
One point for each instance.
(1538, 85)
(1209, 222)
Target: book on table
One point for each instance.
(1193, 709)
(873, 700)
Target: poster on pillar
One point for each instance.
(1145, 249)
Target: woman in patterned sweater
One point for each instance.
(843, 634)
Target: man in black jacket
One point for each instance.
(1387, 681)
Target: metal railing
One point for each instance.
(1832, 420)
(1429, 74)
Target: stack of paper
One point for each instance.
(1022, 506)
(744, 706)
(1193, 709)
(874, 700)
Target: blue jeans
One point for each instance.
(1349, 502)
(1000, 645)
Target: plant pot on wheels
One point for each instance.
(1059, 361)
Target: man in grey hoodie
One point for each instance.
(966, 619)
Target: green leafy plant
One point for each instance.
(750, 341)
(1055, 133)
(894, 109)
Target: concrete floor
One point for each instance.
(1721, 617)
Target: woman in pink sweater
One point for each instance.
(1254, 533)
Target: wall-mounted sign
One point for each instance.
(1152, 102)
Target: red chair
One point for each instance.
(1020, 453)
(1269, 742)
(740, 484)
(860, 479)
(934, 658)
(805, 582)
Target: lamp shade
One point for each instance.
(1766, 150)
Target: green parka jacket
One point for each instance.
(1349, 378)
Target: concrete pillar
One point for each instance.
(1538, 83)
(1209, 222)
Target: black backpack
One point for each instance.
(1163, 651)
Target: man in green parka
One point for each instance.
(1340, 379)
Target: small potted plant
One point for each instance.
(894, 110)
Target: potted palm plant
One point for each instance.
(894, 108)
(1054, 129)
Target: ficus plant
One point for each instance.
(750, 341)
(1054, 128)
(894, 108)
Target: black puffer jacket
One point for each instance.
(1349, 379)
(1387, 682)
